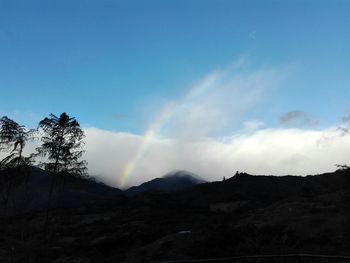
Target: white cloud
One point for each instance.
(268, 151)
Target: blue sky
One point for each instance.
(131, 71)
(101, 59)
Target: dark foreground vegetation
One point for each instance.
(243, 215)
(56, 213)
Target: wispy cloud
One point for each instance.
(297, 119)
(221, 99)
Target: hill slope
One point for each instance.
(31, 191)
(243, 215)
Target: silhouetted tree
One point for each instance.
(14, 137)
(14, 167)
(63, 144)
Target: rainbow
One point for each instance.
(169, 111)
(148, 137)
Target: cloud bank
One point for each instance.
(267, 151)
(264, 151)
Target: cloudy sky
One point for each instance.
(208, 86)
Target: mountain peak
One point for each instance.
(186, 175)
(173, 181)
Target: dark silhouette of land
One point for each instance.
(242, 215)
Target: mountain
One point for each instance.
(30, 192)
(173, 181)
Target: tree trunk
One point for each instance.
(53, 178)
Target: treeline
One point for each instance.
(59, 154)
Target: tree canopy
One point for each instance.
(62, 144)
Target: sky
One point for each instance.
(207, 86)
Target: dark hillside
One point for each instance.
(243, 215)
(31, 192)
(267, 189)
